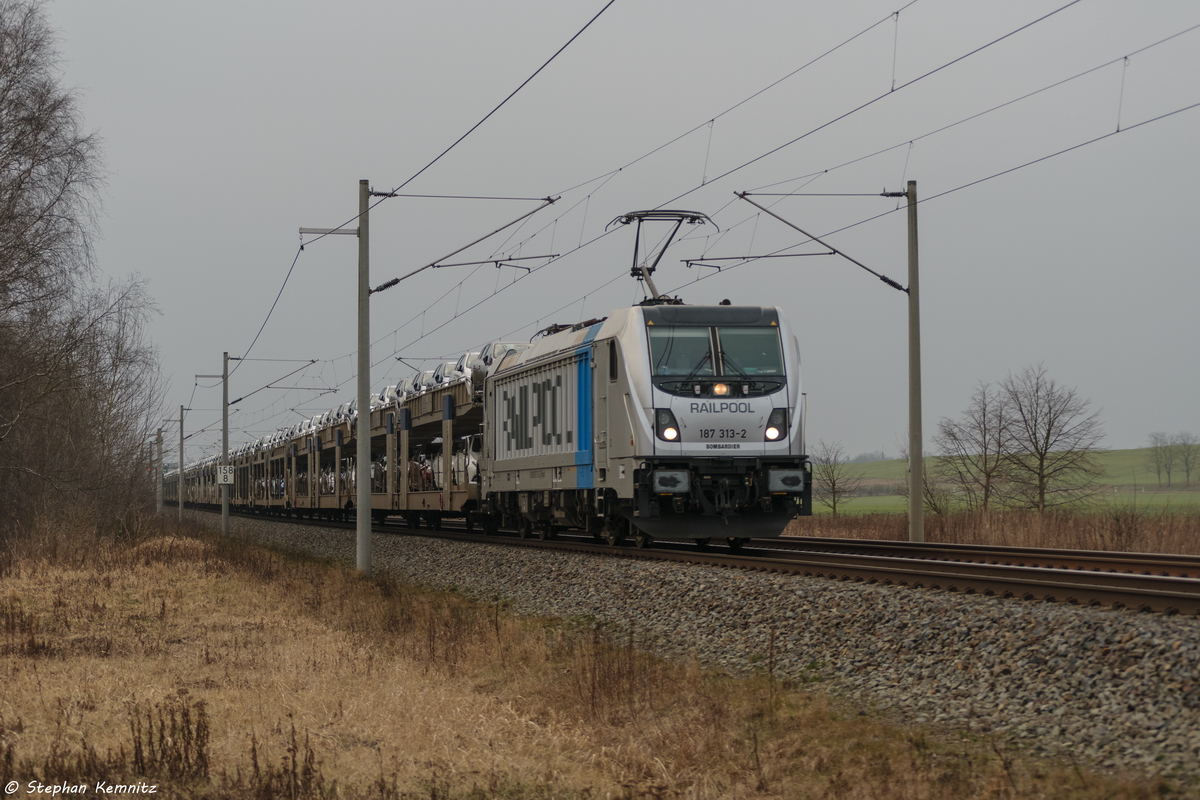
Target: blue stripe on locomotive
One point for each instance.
(584, 461)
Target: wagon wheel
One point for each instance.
(643, 539)
(735, 544)
(702, 542)
(616, 528)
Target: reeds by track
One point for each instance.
(1122, 529)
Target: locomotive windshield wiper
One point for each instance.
(726, 361)
(691, 376)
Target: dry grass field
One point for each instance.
(208, 668)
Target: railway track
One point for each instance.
(1145, 582)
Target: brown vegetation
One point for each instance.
(211, 668)
(1121, 529)
(78, 380)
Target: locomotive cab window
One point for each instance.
(677, 351)
(750, 351)
(717, 360)
(680, 351)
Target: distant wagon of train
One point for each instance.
(660, 421)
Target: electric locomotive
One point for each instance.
(662, 421)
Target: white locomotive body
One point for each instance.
(661, 421)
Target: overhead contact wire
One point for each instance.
(505, 100)
(871, 102)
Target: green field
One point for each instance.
(1129, 483)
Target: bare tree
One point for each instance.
(939, 494)
(834, 480)
(1050, 441)
(49, 168)
(78, 382)
(1187, 453)
(1161, 457)
(973, 449)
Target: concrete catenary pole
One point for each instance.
(363, 447)
(158, 477)
(916, 469)
(225, 441)
(179, 481)
(362, 472)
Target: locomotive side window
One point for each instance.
(612, 360)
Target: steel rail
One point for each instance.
(1096, 560)
(897, 566)
(1119, 590)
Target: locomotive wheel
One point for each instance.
(643, 539)
(524, 528)
(735, 544)
(615, 530)
(544, 531)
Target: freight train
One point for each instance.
(659, 421)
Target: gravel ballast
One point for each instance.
(1116, 690)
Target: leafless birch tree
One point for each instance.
(78, 381)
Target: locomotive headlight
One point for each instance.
(665, 426)
(720, 389)
(777, 425)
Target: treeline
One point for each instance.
(78, 381)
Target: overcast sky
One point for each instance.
(227, 126)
